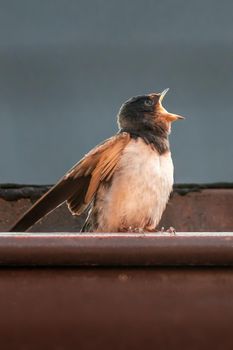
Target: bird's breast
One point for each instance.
(139, 190)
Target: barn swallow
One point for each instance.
(125, 181)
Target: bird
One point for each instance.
(125, 181)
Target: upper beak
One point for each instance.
(169, 116)
(163, 93)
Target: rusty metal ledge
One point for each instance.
(12, 191)
(66, 249)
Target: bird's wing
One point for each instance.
(80, 184)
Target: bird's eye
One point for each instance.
(148, 102)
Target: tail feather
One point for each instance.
(49, 201)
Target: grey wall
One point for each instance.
(66, 66)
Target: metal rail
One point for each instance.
(126, 249)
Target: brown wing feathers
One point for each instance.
(53, 198)
(106, 164)
(75, 202)
(80, 184)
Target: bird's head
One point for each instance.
(146, 112)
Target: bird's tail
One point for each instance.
(49, 201)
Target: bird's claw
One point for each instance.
(171, 230)
(136, 229)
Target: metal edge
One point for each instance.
(68, 249)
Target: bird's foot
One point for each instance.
(131, 229)
(148, 229)
(171, 230)
(136, 229)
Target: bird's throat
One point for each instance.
(156, 137)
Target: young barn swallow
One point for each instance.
(125, 181)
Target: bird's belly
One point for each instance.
(139, 190)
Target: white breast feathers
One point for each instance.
(139, 191)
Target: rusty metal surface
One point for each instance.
(183, 249)
(191, 208)
(117, 309)
(207, 210)
(12, 191)
(129, 301)
(59, 220)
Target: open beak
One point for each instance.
(163, 93)
(168, 116)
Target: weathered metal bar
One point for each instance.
(158, 249)
(116, 308)
(11, 192)
(192, 207)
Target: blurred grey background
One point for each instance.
(66, 67)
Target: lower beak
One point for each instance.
(179, 117)
(173, 117)
(168, 116)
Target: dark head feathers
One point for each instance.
(137, 116)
